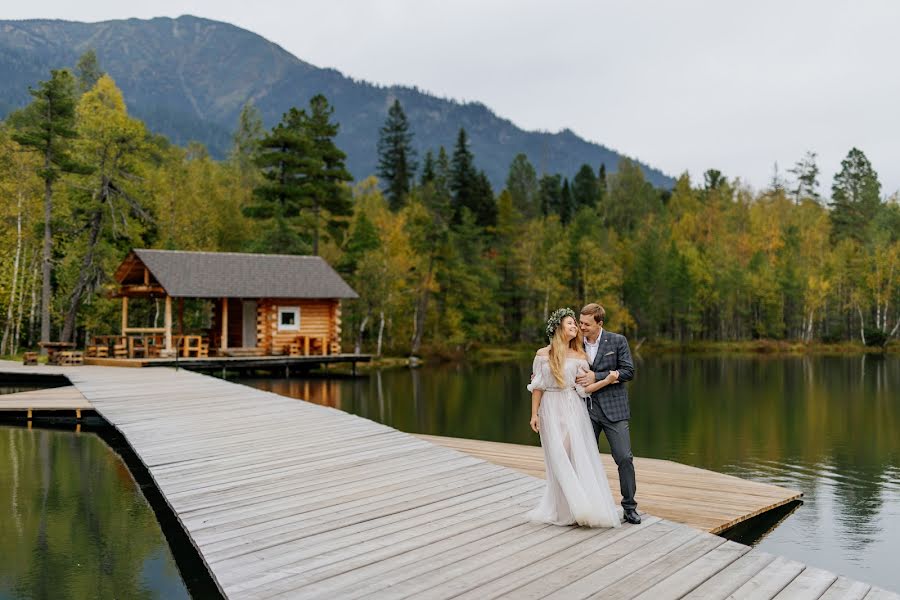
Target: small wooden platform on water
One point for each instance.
(286, 499)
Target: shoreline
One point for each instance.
(768, 348)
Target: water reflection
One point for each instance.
(74, 523)
(828, 426)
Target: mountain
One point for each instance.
(188, 78)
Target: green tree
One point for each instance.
(806, 178)
(362, 240)
(463, 176)
(88, 71)
(550, 194)
(484, 205)
(245, 143)
(585, 189)
(631, 197)
(566, 203)
(396, 157)
(428, 173)
(855, 197)
(471, 188)
(47, 127)
(113, 145)
(522, 184)
(325, 175)
(285, 154)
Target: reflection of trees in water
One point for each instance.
(78, 528)
(824, 425)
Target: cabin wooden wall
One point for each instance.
(317, 317)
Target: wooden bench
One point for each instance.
(97, 351)
(31, 358)
(120, 350)
(70, 358)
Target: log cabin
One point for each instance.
(262, 304)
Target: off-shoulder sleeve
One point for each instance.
(537, 370)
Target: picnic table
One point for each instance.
(54, 348)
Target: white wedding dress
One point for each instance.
(577, 490)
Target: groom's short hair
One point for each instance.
(594, 310)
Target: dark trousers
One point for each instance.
(619, 438)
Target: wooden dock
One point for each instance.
(703, 499)
(286, 499)
(216, 363)
(66, 399)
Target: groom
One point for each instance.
(608, 406)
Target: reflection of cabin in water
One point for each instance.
(262, 304)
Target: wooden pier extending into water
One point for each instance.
(287, 499)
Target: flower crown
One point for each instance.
(556, 318)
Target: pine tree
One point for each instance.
(246, 140)
(483, 205)
(284, 155)
(806, 173)
(396, 157)
(463, 176)
(88, 71)
(47, 127)
(566, 207)
(522, 184)
(428, 173)
(585, 191)
(325, 174)
(855, 197)
(549, 194)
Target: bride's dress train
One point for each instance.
(577, 490)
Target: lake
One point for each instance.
(827, 426)
(75, 524)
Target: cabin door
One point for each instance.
(249, 320)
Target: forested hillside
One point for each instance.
(188, 79)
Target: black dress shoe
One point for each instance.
(632, 516)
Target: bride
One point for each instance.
(577, 490)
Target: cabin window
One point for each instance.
(288, 318)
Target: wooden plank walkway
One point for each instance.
(60, 398)
(286, 499)
(703, 499)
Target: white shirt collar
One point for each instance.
(599, 335)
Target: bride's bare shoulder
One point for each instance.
(545, 351)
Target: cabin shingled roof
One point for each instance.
(236, 275)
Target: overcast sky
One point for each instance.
(683, 85)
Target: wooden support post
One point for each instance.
(78, 413)
(181, 316)
(146, 276)
(29, 414)
(224, 345)
(124, 314)
(168, 323)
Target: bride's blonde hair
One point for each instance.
(559, 348)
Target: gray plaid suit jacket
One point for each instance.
(613, 354)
